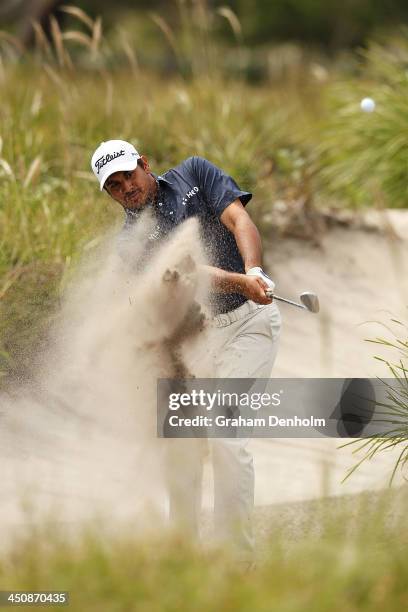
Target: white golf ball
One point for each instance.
(367, 105)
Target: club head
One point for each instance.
(310, 301)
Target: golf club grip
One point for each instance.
(269, 293)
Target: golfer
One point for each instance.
(246, 320)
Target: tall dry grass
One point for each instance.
(297, 137)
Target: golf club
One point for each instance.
(309, 300)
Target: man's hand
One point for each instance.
(253, 288)
(257, 271)
(222, 281)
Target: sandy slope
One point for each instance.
(77, 452)
(361, 277)
(309, 519)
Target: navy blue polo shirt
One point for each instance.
(198, 188)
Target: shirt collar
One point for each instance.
(161, 178)
(132, 215)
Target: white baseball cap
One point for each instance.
(112, 156)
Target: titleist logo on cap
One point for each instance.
(105, 159)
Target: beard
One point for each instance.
(149, 201)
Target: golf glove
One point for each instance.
(257, 271)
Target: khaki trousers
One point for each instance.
(239, 344)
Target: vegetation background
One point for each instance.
(276, 87)
(269, 90)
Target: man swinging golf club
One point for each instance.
(245, 315)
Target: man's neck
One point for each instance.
(152, 202)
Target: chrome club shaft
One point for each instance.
(309, 300)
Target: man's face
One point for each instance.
(133, 189)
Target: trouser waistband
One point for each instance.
(226, 318)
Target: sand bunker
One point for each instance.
(82, 439)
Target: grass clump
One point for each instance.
(362, 156)
(394, 410)
(364, 568)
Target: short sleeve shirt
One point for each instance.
(198, 188)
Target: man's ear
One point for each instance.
(145, 163)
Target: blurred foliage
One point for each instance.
(348, 555)
(60, 102)
(326, 23)
(329, 23)
(52, 118)
(362, 157)
(394, 410)
(296, 136)
(26, 309)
